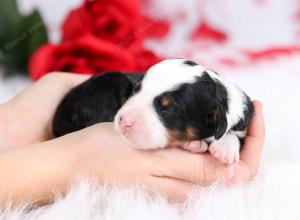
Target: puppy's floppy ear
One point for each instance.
(137, 85)
(221, 123)
(217, 117)
(136, 79)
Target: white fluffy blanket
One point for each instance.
(274, 194)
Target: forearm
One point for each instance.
(34, 173)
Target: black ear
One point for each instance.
(136, 79)
(217, 117)
(137, 84)
(221, 123)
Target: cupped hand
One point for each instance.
(27, 118)
(101, 154)
(98, 152)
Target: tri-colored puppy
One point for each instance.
(182, 103)
(177, 103)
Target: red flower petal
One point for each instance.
(272, 52)
(76, 24)
(42, 61)
(207, 32)
(156, 28)
(146, 59)
(87, 54)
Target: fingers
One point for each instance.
(253, 144)
(177, 164)
(201, 169)
(68, 79)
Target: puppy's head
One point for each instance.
(178, 101)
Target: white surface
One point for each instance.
(273, 195)
(9, 86)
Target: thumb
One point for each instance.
(230, 174)
(238, 173)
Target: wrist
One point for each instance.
(5, 126)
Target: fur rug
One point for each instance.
(274, 194)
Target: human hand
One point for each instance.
(27, 118)
(99, 153)
(253, 143)
(103, 155)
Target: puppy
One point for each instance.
(180, 103)
(96, 100)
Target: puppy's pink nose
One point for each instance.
(125, 123)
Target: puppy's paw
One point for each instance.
(195, 146)
(227, 149)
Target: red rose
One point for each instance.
(101, 35)
(113, 20)
(84, 55)
(156, 28)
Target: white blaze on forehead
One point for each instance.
(168, 74)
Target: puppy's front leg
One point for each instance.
(226, 149)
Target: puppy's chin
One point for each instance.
(144, 143)
(145, 137)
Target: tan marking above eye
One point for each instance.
(177, 138)
(166, 101)
(191, 132)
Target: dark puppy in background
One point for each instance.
(178, 103)
(94, 101)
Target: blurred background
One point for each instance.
(92, 36)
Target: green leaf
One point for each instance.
(36, 28)
(10, 19)
(36, 35)
(27, 34)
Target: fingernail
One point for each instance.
(238, 174)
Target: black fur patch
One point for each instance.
(241, 141)
(192, 106)
(96, 100)
(190, 63)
